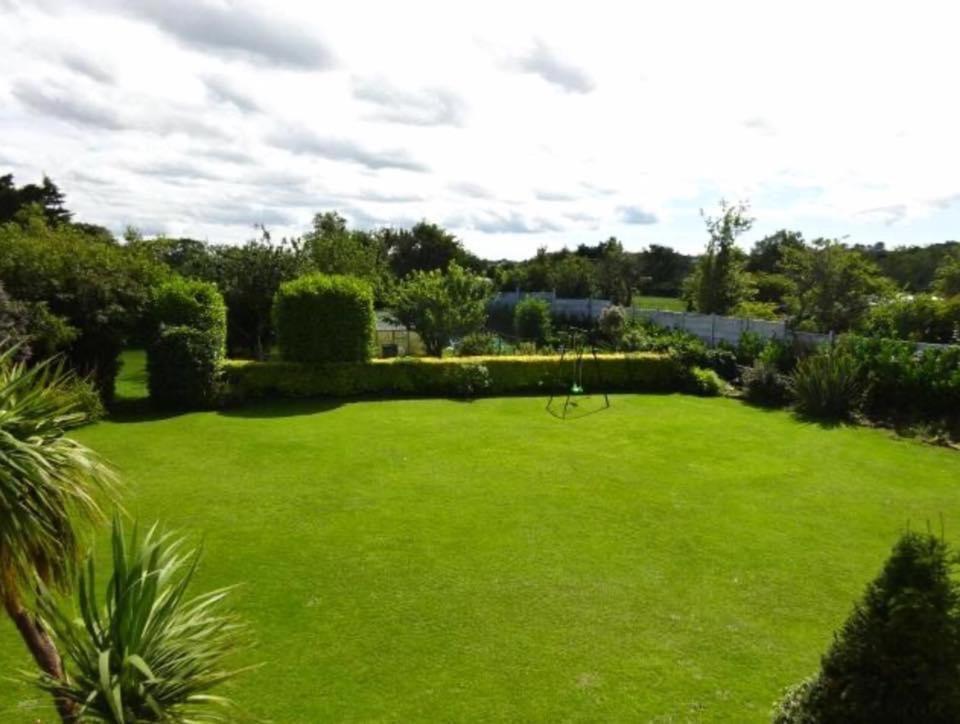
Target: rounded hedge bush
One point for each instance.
(531, 320)
(190, 303)
(324, 318)
(184, 368)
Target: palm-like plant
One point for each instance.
(49, 487)
(149, 653)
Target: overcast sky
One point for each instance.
(515, 124)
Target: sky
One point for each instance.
(514, 124)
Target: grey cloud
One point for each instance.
(542, 61)
(598, 190)
(84, 66)
(383, 198)
(232, 29)
(52, 102)
(302, 141)
(582, 217)
(554, 196)
(240, 214)
(495, 222)
(467, 188)
(636, 215)
(181, 170)
(227, 154)
(223, 91)
(424, 107)
(88, 180)
(760, 125)
(945, 202)
(888, 215)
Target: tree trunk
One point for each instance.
(44, 652)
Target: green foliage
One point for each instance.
(772, 289)
(756, 310)
(613, 323)
(920, 318)
(573, 277)
(100, 289)
(897, 657)
(190, 303)
(431, 377)
(332, 248)
(912, 268)
(324, 318)
(719, 282)
(184, 368)
(33, 328)
(46, 198)
(947, 280)
(531, 320)
(477, 344)
(901, 381)
(765, 384)
(767, 254)
(706, 382)
(49, 484)
(827, 384)
(833, 287)
(148, 652)
(442, 306)
(424, 247)
(749, 347)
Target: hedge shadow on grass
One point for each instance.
(126, 410)
(265, 409)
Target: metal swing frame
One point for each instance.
(578, 339)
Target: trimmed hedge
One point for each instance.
(184, 368)
(325, 318)
(469, 376)
(190, 303)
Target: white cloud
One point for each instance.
(203, 117)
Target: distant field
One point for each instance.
(670, 559)
(670, 304)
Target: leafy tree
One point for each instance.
(423, 247)
(718, 282)
(767, 254)
(32, 327)
(833, 286)
(47, 195)
(49, 491)
(332, 248)
(149, 652)
(442, 306)
(663, 270)
(617, 272)
(531, 320)
(100, 289)
(897, 657)
(912, 268)
(188, 257)
(947, 282)
(573, 276)
(918, 318)
(249, 277)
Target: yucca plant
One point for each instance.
(827, 384)
(149, 653)
(49, 491)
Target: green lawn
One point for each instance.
(669, 304)
(671, 558)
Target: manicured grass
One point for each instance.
(669, 304)
(671, 558)
(132, 381)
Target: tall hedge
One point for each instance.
(325, 318)
(190, 303)
(186, 352)
(184, 368)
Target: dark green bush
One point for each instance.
(441, 377)
(613, 323)
(903, 381)
(190, 303)
(722, 361)
(920, 318)
(325, 318)
(477, 344)
(184, 368)
(765, 384)
(827, 384)
(749, 347)
(897, 657)
(531, 320)
(468, 380)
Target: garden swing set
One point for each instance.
(579, 348)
